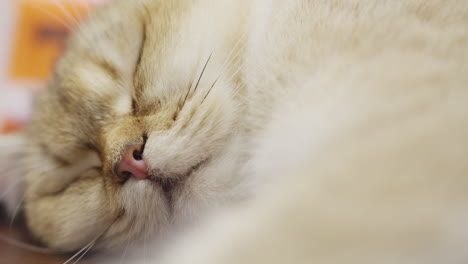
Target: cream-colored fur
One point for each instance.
(336, 131)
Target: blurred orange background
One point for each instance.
(33, 34)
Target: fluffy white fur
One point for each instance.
(337, 131)
(364, 159)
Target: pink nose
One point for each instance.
(133, 163)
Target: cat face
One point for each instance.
(135, 86)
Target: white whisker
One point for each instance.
(125, 251)
(67, 14)
(86, 248)
(65, 23)
(52, 15)
(84, 253)
(74, 10)
(81, 250)
(15, 213)
(132, 225)
(144, 248)
(11, 186)
(87, 6)
(231, 55)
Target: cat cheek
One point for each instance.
(74, 217)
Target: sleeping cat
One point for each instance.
(323, 131)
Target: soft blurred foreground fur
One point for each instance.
(320, 131)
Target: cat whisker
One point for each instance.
(144, 248)
(15, 213)
(63, 22)
(87, 6)
(235, 93)
(229, 59)
(179, 105)
(125, 251)
(88, 246)
(67, 14)
(131, 228)
(232, 56)
(190, 88)
(237, 47)
(84, 253)
(85, 249)
(201, 74)
(52, 15)
(209, 90)
(11, 187)
(77, 13)
(234, 73)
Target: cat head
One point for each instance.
(136, 129)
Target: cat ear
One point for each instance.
(12, 150)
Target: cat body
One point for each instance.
(335, 131)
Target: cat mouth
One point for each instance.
(170, 182)
(167, 184)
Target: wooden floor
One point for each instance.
(14, 254)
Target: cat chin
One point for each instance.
(143, 194)
(145, 212)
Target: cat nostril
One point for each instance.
(125, 175)
(137, 155)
